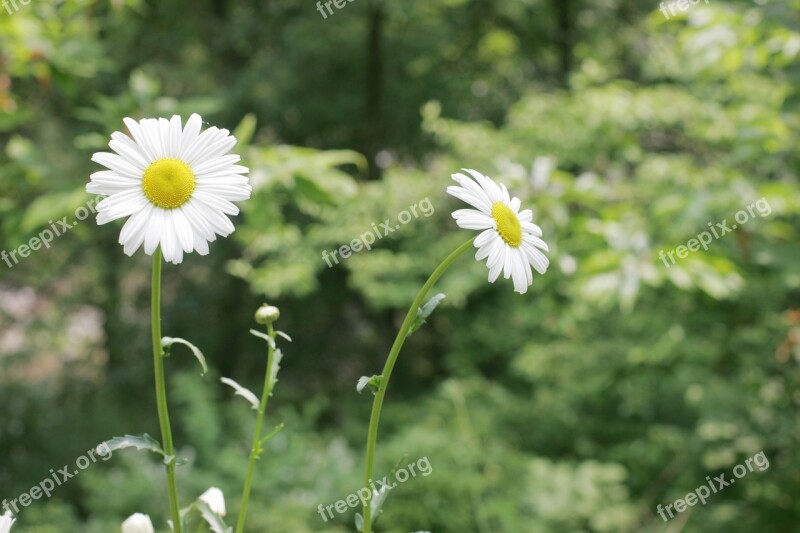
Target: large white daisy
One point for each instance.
(509, 242)
(175, 183)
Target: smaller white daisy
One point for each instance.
(176, 184)
(215, 500)
(510, 242)
(137, 523)
(6, 521)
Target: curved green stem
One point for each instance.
(161, 392)
(256, 448)
(377, 404)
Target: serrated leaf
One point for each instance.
(424, 312)
(243, 392)
(167, 342)
(140, 442)
(276, 366)
(215, 521)
(264, 336)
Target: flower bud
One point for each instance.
(267, 314)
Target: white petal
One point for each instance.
(539, 261)
(138, 134)
(473, 219)
(183, 230)
(155, 227)
(125, 147)
(494, 192)
(485, 237)
(133, 232)
(121, 205)
(118, 164)
(531, 228)
(535, 241)
(190, 134)
(174, 137)
(215, 164)
(220, 204)
(169, 240)
(232, 193)
(196, 150)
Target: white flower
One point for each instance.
(175, 183)
(137, 523)
(6, 521)
(215, 500)
(509, 242)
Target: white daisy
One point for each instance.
(175, 183)
(215, 500)
(137, 523)
(510, 242)
(6, 521)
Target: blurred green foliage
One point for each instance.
(616, 384)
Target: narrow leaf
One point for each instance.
(167, 343)
(243, 392)
(140, 442)
(215, 521)
(264, 336)
(284, 335)
(424, 312)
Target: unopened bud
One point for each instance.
(267, 314)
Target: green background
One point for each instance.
(614, 385)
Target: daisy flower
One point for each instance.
(215, 500)
(6, 521)
(509, 242)
(175, 183)
(137, 523)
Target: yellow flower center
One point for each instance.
(168, 183)
(508, 225)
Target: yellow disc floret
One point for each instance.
(508, 225)
(168, 183)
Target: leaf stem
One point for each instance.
(161, 392)
(377, 404)
(255, 450)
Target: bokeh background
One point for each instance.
(616, 384)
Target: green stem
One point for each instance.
(256, 448)
(161, 393)
(377, 404)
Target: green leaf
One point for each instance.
(276, 366)
(243, 392)
(167, 343)
(284, 335)
(264, 336)
(215, 521)
(244, 131)
(424, 312)
(140, 442)
(374, 382)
